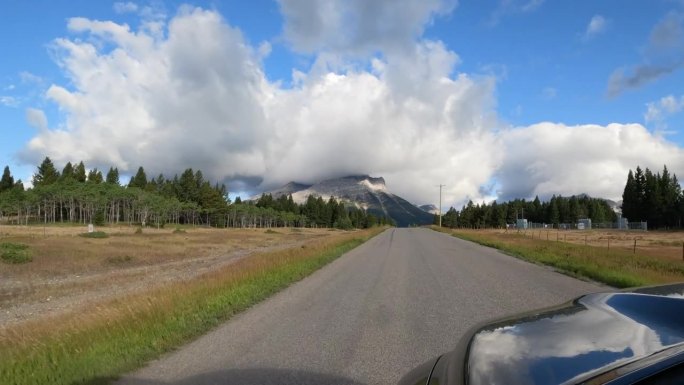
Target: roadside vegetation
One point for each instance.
(618, 267)
(95, 345)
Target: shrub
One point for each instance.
(14, 252)
(95, 234)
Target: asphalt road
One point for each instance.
(402, 298)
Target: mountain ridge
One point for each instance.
(362, 191)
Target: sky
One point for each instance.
(496, 99)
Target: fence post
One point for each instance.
(585, 239)
(634, 246)
(609, 245)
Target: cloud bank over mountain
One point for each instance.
(189, 90)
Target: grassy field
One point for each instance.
(64, 263)
(98, 343)
(619, 266)
(60, 250)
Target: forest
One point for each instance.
(75, 195)
(648, 197)
(653, 198)
(78, 195)
(556, 211)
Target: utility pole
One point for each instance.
(440, 204)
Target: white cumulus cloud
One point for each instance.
(552, 158)
(193, 93)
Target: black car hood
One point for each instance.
(574, 342)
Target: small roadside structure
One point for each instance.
(584, 224)
(521, 224)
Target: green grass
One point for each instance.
(118, 337)
(94, 234)
(15, 252)
(618, 268)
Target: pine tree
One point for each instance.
(112, 176)
(139, 180)
(188, 190)
(669, 198)
(47, 173)
(95, 176)
(630, 198)
(80, 172)
(554, 211)
(651, 204)
(7, 181)
(640, 191)
(67, 172)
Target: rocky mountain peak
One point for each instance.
(363, 191)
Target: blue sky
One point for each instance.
(527, 79)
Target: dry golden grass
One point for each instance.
(618, 266)
(59, 250)
(69, 271)
(665, 244)
(118, 335)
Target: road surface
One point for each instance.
(369, 317)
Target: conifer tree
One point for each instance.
(95, 176)
(112, 176)
(139, 180)
(80, 172)
(47, 173)
(7, 181)
(67, 172)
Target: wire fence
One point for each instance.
(583, 226)
(627, 241)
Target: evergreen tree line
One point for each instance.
(322, 213)
(653, 198)
(79, 196)
(557, 210)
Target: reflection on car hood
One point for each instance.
(575, 342)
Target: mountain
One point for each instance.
(616, 206)
(361, 191)
(432, 209)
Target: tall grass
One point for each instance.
(97, 345)
(618, 268)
